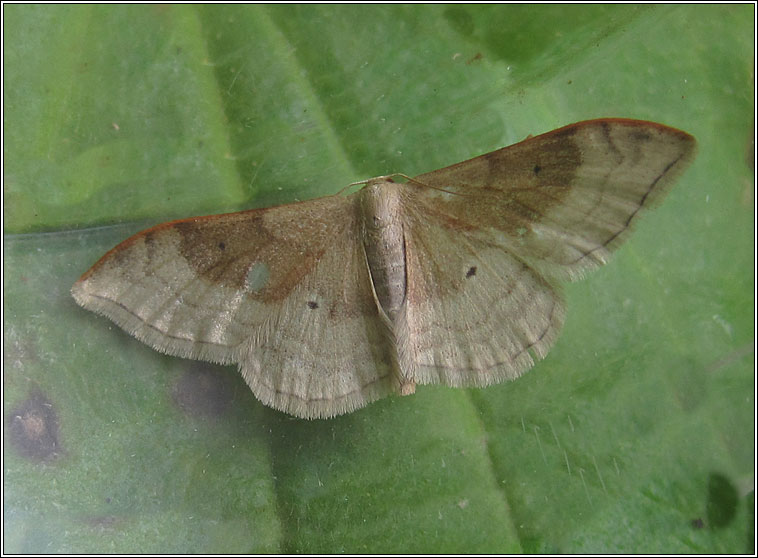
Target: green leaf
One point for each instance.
(635, 434)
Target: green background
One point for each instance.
(635, 434)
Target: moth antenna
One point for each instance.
(383, 177)
(425, 185)
(400, 174)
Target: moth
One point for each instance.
(451, 277)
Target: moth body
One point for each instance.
(382, 225)
(381, 214)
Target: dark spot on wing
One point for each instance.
(471, 272)
(33, 428)
(565, 132)
(152, 247)
(605, 128)
(537, 169)
(312, 305)
(221, 245)
(640, 135)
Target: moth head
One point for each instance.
(380, 202)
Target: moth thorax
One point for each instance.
(381, 214)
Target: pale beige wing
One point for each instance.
(331, 349)
(282, 291)
(562, 201)
(474, 313)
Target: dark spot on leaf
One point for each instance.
(721, 507)
(537, 169)
(203, 390)
(33, 428)
(697, 523)
(312, 305)
(460, 20)
(478, 56)
(471, 272)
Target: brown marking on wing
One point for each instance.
(290, 240)
(565, 198)
(509, 189)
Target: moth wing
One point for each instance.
(475, 314)
(284, 292)
(564, 200)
